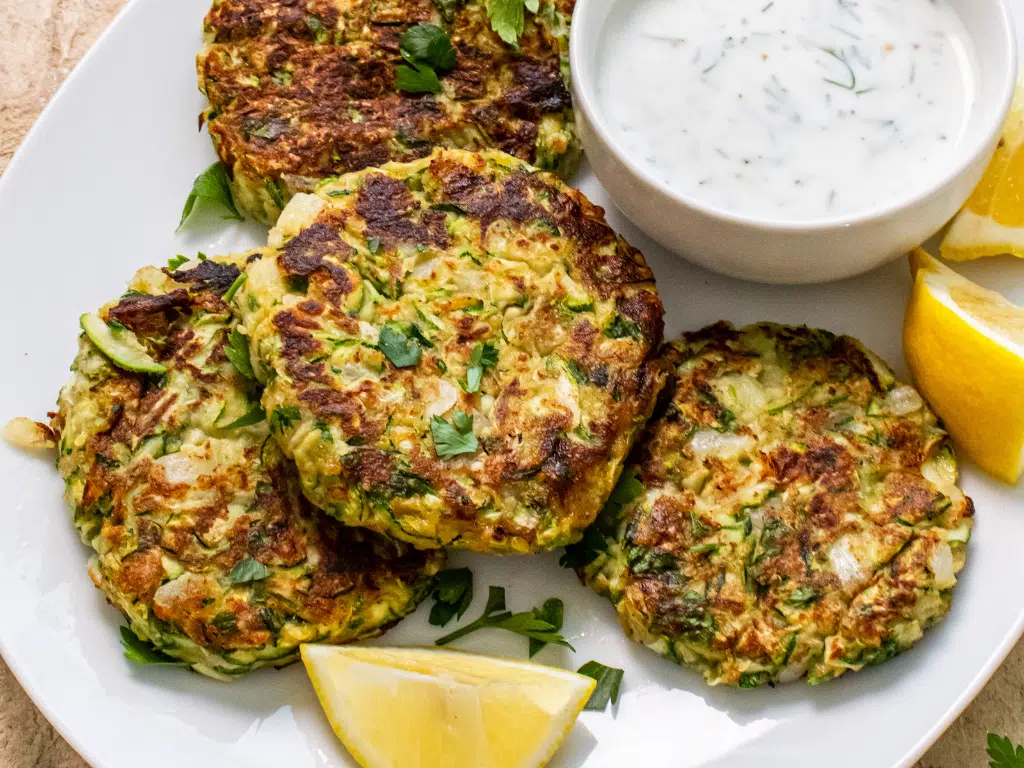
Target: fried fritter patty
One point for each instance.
(793, 510)
(303, 90)
(458, 351)
(202, 536)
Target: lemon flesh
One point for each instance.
(992, 220)
(421, 708)
(965, 348)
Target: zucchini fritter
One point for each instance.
(458, 351)
(792, 511)
(202, 536)
(300, 91)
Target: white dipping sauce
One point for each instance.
(792, 110)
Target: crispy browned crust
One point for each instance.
(300, 91)
(173, 499)
(539, 477)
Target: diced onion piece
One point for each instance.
(447, 397)
(903, 400)
(941, 566)
(793, 672)
(845, 565)
(28, 435)
(723, 444)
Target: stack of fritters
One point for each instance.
(301, 90)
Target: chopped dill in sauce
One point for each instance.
(790, 109)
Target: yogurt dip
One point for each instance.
(791, 110)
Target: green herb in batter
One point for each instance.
(373, 244)
(482, 357)
(248, 569)
(593, 543)
(255, 416)
(1002, 754)
(621, 328)
(455, 438)
(283, 417)
(139, 651)
(211, 190)
(495, 616)
(428, 49)
(402, 351)
(609, 679)
(177, 261)
(239, 282)
(453, 593)
(237, 351)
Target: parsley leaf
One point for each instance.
(418, 78)
(211, 188)
(237, 351)
(177, 261)
(552, 612)
(622, 328)
(1001, 751)
(239, 282)
(402, 351)
(482, 357)
(508, 19)
(456, 438)
(283, 417)
(427, 44)
(608, 681)
(255, 416)
(138, 651)
(584, 551)
(496, 617)
(248, 569)
(453, 593)
(373, 244)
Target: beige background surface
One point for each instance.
(41, 40)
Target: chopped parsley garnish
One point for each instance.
(255, 416)
(248, 569)
(237, 351)
(373, 244)
(211, 190)
(453, 593)
(609, 679)
(456, 438)
(174, 263)
(428, 49)
(138, 651)
(283, 417)
(508, 17)
(1002, 754)
(402, 351)
(482, 357)
(495, 616)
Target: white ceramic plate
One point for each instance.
(96, 191)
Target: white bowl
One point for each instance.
(796, 252)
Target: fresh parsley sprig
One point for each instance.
(527, 623)
(453, 593)
(428, 50)
(211, 190)
(455, 438)
(508, 17)
(237, 351)
(1002, 753)
(402, 351)
(609, 679)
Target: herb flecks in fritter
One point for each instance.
(435, 334)
(202, 536)
(796, 511)
(299, 92)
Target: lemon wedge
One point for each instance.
(992, 220)
(422, 708)
(965, 348)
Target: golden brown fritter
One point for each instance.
(301, 90)
(792, 511)
(458, 351)
(202, 536)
